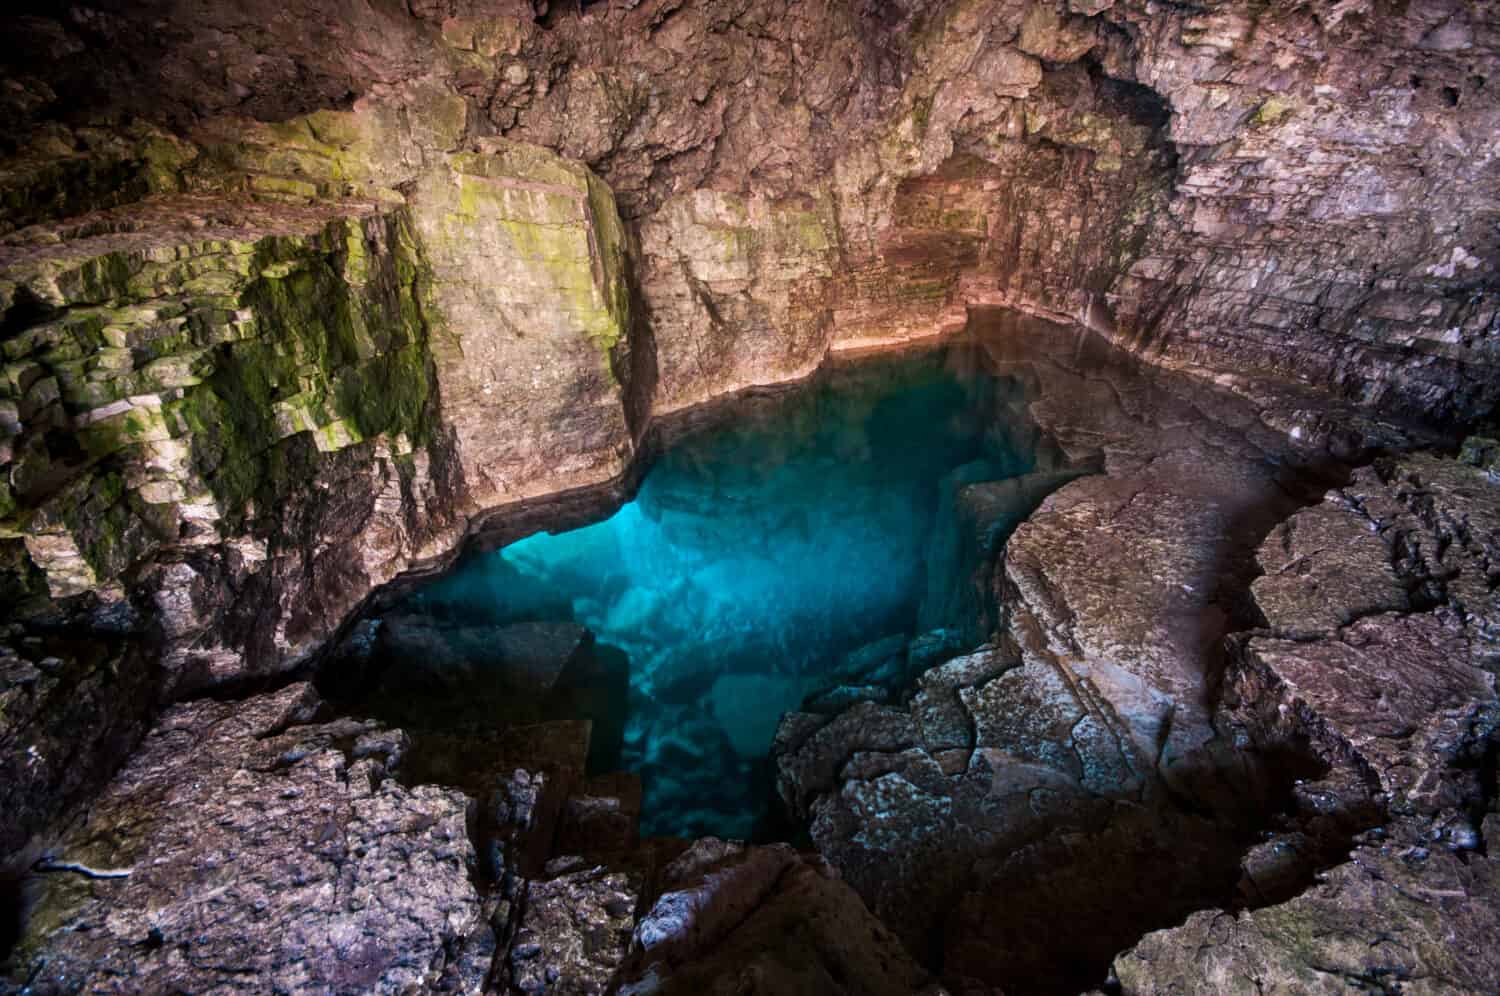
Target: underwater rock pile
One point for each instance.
(806, 546)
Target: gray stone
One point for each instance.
(260, 855)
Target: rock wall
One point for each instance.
(181, 389)
(1249, 194)
(238, 414)
(1334, 202)
(1246, 191)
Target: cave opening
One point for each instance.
(798, 549)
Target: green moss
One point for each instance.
(67, 186)
(1272, 111)
(522, 161)
(614, 257)
(1482, 452)
(231, 335)
(576, 241)
(102, 521)
(328, 146)
(287, 186)
(340, 352)
(921, 113)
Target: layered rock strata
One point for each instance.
(295, 298)
(1225, 188)
(233, 300)
(240, 416)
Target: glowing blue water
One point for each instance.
(754, 559)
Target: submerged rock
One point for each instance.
(472, 670)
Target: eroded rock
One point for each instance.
(1401, 707)
(1397, 913)
(1041, 780)
(262, 850)
(734, 916)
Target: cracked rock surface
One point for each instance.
(1393, 685)
(1068, 773)
(265, 852)
(269, 851)
(297, 298)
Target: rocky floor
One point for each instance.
(250, 847)
(1380, 653)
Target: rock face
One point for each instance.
(735, 917)
(1371, 922)
(230, 413)
(1058, 783)
(1393, 686)
(1279, 202)
(269, 345)
(1042, 768)
(75, 697)
(247, 846)
(262, 852)
(1218, 186)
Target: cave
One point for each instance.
(787, 496)
(804, 547)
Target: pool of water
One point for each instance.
(803, 548)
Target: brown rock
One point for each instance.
(1397, 912)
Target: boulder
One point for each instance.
(732, 916)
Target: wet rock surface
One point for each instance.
(761, 918)
(1063, 775)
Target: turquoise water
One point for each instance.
(761, 562)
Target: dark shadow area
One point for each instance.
(16, 898)
(80, 688)
(25, 311)
(1076, 898)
